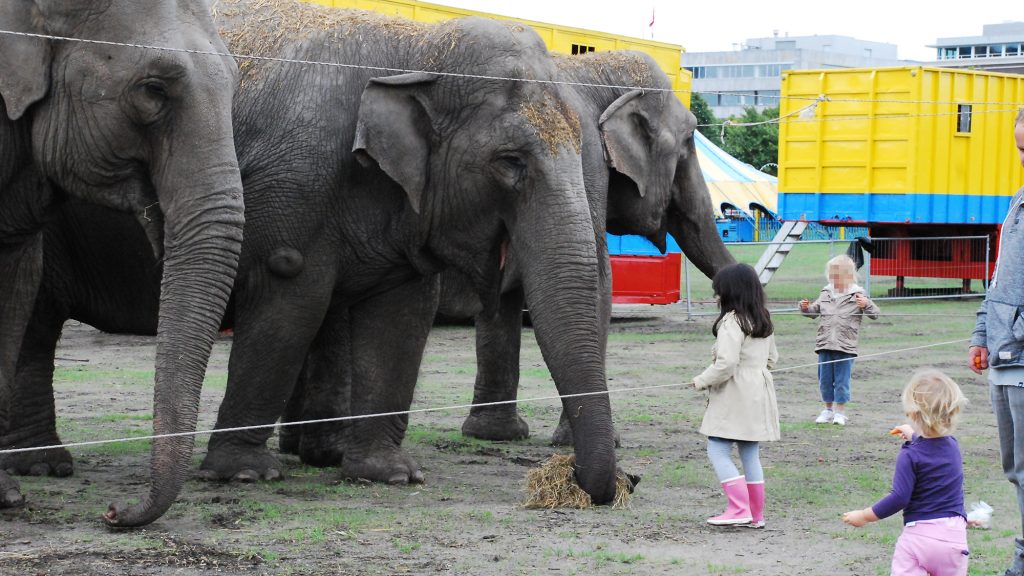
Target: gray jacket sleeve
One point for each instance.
(979, 336)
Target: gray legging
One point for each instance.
(720, 453)
(1008, 407)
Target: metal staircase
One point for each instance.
(787, 236)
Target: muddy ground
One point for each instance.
(468, 518)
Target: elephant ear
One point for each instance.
(25, 65)
(394, 130)
(626, 132)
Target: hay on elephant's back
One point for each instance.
(553, 485)
(266, 25)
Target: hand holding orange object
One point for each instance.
(977, 358)
(903, 431)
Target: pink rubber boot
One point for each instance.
(755, 491)
(737, 512)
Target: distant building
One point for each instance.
(1000, 48)
(751, 74)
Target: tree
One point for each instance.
(757, 145)
(706, 121)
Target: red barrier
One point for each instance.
(646, 279)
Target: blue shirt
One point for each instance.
(928, 482)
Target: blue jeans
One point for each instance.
(1008, 407)
(834, 377)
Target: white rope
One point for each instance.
(436, 409)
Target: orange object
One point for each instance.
(896, 432)
(977, 362)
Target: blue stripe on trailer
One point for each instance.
(898, 208)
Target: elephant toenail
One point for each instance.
(64, 469)
(417, 477)
(246, 476)
(399, 479)
(39, 469)
(274, 475)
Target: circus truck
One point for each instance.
(911, 153)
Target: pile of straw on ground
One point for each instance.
(553, 485)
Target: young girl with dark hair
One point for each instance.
(741, 393)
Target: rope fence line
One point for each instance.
(813, 99)
(443, 408)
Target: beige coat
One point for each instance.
(741, 402)
(840, 319)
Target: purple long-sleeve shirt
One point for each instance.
(928, 482)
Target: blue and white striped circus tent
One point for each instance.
(735, 185)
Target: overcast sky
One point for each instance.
(715, 25)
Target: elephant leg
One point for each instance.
(323, 391)
(498, 342)
(273, 331)
(33, 418)
(21, 265)
(388, 335)
(289, 437)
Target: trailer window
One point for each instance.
(581, 49)
(963, 118)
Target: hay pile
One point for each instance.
(553, 486)
(262, 27)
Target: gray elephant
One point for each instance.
(642, 177)
(142, 131)
(350, 215)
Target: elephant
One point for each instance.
(642, 177)
(143, 131)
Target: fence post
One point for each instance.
(686, 282)
(867, 272)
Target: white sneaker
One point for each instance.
(839, 419)
(825, 417)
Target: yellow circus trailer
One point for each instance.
(908, 151)
(564, 39)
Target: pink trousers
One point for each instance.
(932, 548)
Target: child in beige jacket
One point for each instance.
(839, 308)
(741, 393)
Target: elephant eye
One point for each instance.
(155, 88)
(511, 169)
(150, 99)
(512, 162)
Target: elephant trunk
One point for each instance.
(563, 291)
(692, 218)
(202, 242)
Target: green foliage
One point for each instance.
(756, 145)
(705, 119)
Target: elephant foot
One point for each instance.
(389, 465)
(289, 439)
(495, 424)
(240, 463)
(54, 462)
(562, 435)
(10, 492)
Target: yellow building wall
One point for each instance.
(894, 131)
(558, 38)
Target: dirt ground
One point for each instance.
(468, 518)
